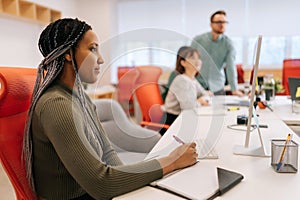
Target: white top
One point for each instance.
(183, 94)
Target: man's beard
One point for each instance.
(218, 32)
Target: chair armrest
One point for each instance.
(154, 125)
(123, 133)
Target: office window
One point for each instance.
(136, 53)
(164, 53)
(295, 49)
(272, 51)
(191, 18)
(238, 45)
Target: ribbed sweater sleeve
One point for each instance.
(63, 125)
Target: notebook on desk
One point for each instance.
(204, 150)
(199, 182)
(196, 182)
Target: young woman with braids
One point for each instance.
(68, 155)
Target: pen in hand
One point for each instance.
(178, 139)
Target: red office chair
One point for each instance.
(291, 68)
(240, 73)
(148, 96)
(126, 77)
(240, 76)
(16, 86)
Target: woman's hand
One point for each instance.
(210, 93)
(203, 101)
(183, 156)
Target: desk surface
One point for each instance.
(283, 109)
(260, 180)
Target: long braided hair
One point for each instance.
(55, 41)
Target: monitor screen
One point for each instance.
(246, 149)
(256, 57)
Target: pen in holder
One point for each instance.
(284, 155)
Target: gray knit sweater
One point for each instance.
(65, 165)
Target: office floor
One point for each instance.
(6, 189)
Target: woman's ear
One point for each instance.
(68, 57)
(182, 62)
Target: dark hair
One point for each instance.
(219, 12)
(61, 34)
(183, 53)
(58, 38)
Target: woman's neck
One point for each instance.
(190, 74)
(67, 76)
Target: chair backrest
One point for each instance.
(291, 68)
(125, 88)
(16, 86)
(240, 73)
(148, 94)
(126, 81)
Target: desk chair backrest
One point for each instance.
(16, 86)
(148, 95)
(125, 88)
(126, 80)
(240, 73)
(291, 68)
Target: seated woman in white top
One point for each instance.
(185, 92)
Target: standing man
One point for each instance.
(217, 52)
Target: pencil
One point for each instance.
(279, 165)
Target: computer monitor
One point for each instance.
(246, 149)
(294, 85)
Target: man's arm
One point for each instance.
(231, 69)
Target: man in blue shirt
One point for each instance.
(217, 52)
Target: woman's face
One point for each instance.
(193, 62)
(88, 57)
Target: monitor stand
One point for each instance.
(252, 151)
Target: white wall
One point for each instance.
(19, 38)
(18, 41)
(102, 15)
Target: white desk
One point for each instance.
(260, 180)
(283, 108)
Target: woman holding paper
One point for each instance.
(64, 142)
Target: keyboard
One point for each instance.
(205, 151)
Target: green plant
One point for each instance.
(278, 86)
